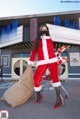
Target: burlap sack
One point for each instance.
(27, 78)
(21, 91)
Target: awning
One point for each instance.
(20, 46)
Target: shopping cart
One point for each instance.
(48, 80)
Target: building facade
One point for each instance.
(17, 35)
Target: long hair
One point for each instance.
(36, 42)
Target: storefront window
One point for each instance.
(20, 55)
(25, 55)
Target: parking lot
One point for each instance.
(45, 110)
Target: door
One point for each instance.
(18, 67)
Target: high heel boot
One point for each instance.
(59, 99)
(38, 97)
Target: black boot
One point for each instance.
(59, 99)
(38, 97)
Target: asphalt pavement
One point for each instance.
(45, 110)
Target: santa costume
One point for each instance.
(44, 48)
(46, 59)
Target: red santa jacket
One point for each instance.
(45, 52)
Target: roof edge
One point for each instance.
(40, 15)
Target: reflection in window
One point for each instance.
(25, 55)
(18, 55)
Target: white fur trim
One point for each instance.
(45, 51)
(30, 62)
(56, 84)
(37, 89)
(45, 37)
(52, 60)
(56, 53)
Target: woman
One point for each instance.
(44, 49)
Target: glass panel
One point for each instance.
(66, 23)
(19, 55)
(75, 25)
(57, 21)
(16, 55)
(25, 55)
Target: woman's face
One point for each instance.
(43, 30)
